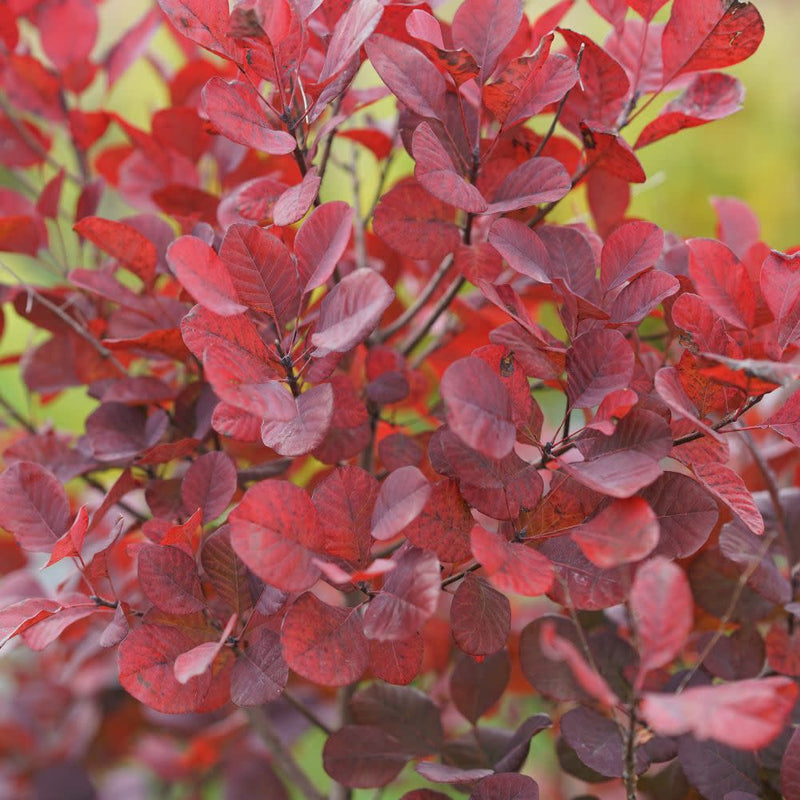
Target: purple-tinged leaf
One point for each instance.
(363, 756)
(306, 429)
(321, 242)
(521, 248)
(538, 180)
(295, 202)
(598, 363)
(209, 484)
(168, 577)
(480, 617)
(729, 487)
(350, 311)
(507, 786)
(780, 285)
(630, 250)
(352, 30)
(35, 506)
(260, 673)
(790, 768)
(402, 496)
(484, 28)
(475, 686)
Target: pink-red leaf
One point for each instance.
(126, 244)
(71, 543)
(625, 531)
(537, 180)
(484, 28)
(402, 496)
(480, 617)
(709, 34)
(209, 484)
(521, 248)
(629, 250)
(271, 530)
(396, 661)
(351, 31)
(598, 363)
(729, 487)
(408, 599)
(236, 111)
(294, 203)
(260, 673)
(35, 506)
(511, 566)
(786, 420)
(746, 715)
(350, 311)
(312, 412)
(780, 285)
(321, 242)
(663, 612)
(478, 407)
(168, 577)
(204, 275)
(324, 643)
(204, 22)
(68, 31)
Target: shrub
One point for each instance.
(422, 469)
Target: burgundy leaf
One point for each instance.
(790, 768)
(199, 659)
(363, 756)
(118, 432)
(475, 686)
(351, 311)
(168, 577)
(538, 180)
(226, 571)
(436, 171)
(396, 661)
(662, 611)
(478, 407)
(484, 28)
(506, 787)
(625, 531)
(209, 484)
(35, 506)
(270, 531)
(522, 249)
(729, 487)
(324, 643)
(408, 599)
(260, 673)
(480, 617)
(744, 714)
(598, 363)
(236, 110)
(444, 524)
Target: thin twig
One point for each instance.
(359, 226)
(300, 706)
(283, 757)
(444, 303)
(418, 304)
(629, 771)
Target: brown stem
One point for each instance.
(444, 303)
(283, 757)
(629, 772)
(303, 709)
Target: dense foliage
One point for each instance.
(423, 471)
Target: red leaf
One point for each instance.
(630, 250)
(396, 661)
(35, 506)
(710, 96)
(790, 768)
(686, 514)
(352, 30)
(131, 46)
(209, 484)
(747, 715)
(321, 242)
(203, 21)
(402, 497)
(312, 413)
(478, 407)
(146, 670)
(737, 225)
(294, 203)
(625, 531)
(475, 686)
(780, 285)
(236, 110)
(662, 611)
(260, 674)
(480, 617)
(786, 420)
(559, 649)
(537, 180)
(408, 598)
(344, 500)
(484, 28)
(351, 311)
(598, 363)
(413, 222)
(323, 643)
(71, 543)
(271, 530)
(204, 275)
(436, 171)
(68, 31)
(199, 659)
(709, 34)
(168, 577)
(122, 242)
(262, 270)
(411, 77)
(118, 432)
(19, 616)
(363, 756)
(637, 300)
(522, 249)
(729, 487)
(646, 8)
(226, 571)
(668, 384)
(443, 525)
(612, 152)
(511, 566)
